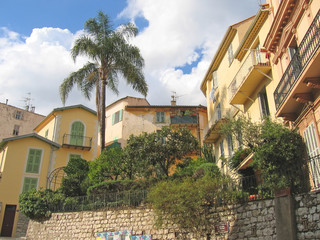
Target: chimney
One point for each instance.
(7, 101)
(173, 102)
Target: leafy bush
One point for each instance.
(238, 157)
(187, 201)
(35, 204)
(74, 184)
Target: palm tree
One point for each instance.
(112, 56)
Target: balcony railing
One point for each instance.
(186, 119)
(76, 141)
(314, 165)
(306, 50)
(246, 79)
(211, 131)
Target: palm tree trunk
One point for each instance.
(103, 115)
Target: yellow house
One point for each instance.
(239, 81)
(29, 161)
(294, 42)
(133, 116)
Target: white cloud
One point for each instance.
(180, 33)
(177, 32)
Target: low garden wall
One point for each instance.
(252, 220)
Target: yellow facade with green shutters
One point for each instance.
(28, 161)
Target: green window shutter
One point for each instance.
(34, 160)
(77, 133)
(113, 118)
(29, 183)
(120, 115)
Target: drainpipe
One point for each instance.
(50, 164)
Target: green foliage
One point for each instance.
(208, 154)
(238, 157)
(187, 201)
(120, 185)
(74, 184)
(281, 157)
(35, 204)
(108, 166)
(157, 152)
(279, 153)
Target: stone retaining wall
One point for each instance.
(250, 221)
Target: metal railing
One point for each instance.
(102, 201)
(306, 50)
(186, 119)
(253, 59)
(314, 166)
(76, 140)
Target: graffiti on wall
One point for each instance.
(121, 235)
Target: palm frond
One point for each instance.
(85, 46)
(80, 78)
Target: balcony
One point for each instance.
(76, 142)
(184, 120)
(302, 76)
(211, 132)
(255, 68)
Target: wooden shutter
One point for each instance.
(113, 118)
(120, 115)
(34, 160)
(29, 183)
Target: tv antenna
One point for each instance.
(27, 103)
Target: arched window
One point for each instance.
(77, 133)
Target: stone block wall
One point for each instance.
(254, 220)
(308, 216)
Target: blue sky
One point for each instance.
(177, 38)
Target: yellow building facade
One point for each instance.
(239, 81)
(28, 161)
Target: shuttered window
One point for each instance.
(117, 117)
(160, 117)
(34, 160)
(77, 133)
(29, 183)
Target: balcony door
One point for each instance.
(313, 152)
(77, 134)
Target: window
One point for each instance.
(215, 80)
(230, 145)
(263, 102)
(46, 133)
(221, 149)
(77, 133)
(18, 115)
(16, 130)
(34, 160)
(117, 117)
(160, 117)
(218, 109)
(29, 183)
(161, 139)
(230, 54)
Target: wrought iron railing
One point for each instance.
(254, 58)
(101, 201)
(76, 140)
(314, 165)
(186, 119)
(306, 50)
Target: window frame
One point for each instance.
(24, 182)
(27, 161)
(16, 129)
(117, 117)
(160, 117)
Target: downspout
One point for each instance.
(50, 164)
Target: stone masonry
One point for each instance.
(249, 221)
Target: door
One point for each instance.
(77, 132)
(8, 220)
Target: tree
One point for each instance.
(157, 152)
(74, 184)
(113, 57)
(108, 166)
